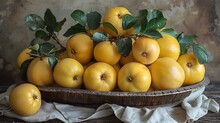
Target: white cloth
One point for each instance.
(193, 107)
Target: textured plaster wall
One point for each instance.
(199, 17)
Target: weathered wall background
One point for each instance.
(199, 17)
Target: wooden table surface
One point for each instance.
(212, 91)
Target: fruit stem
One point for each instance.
(103, 77)
(33, 55)
(130, 79)
(35, 97)
(189, 64)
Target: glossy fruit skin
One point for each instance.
(80, 47)
(25, 99)
(68, 73)
(114, 16)
(194, 71)
(169, 47)
(106, 52)
(145, 50)
(39, 72)
(134, 77)
(100, 76)
(166, 74)
(23, 56)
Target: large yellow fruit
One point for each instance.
(106, 52)
(145, 50)
(25, 99)
(23, 56)
(68, 73)
(169, 47)
(114, 16)
(166, 74)
(39, 72)
(80, 47)
(100, 77)
(134, 77)
(194, 71)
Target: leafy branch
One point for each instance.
(186, 42)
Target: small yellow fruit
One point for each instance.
(39, 72)
(114, 16)
(23, 56)
(117, 67)
(80, 47)
(166, 74)
(145, 50)
(100, 77)
(126, 59)
(194, 71)
(134, 77)
(25, 99)
(106, 52)
(169, 47)
(68, 73)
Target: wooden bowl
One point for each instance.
(88, 98)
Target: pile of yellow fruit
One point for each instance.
(152, 64)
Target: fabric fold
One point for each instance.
(193, 107)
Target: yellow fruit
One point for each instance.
(68, 73)
(63, 55)
(100, 77)
(39, 72)
(169, 47)
(80, 47)
(25, 100)
(134, 77)
(145, 50)
(166, 74)
(114, 16)
(194, 71)
(106, 52)
(23, 56)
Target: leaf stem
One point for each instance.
(54, 37)
(34, 55)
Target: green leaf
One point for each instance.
(185, 39)
(137, 28)
(52, 61)
(156, 23)
(154, 14)
(23, 69)
(35, 47)
(153, 34)
(50, 19)
(184, 48)
(79, 16)
(142, 25)
(40, 34)
(34, 22)
(74, 29)
(98, 36)
(124, 46)
(59, 25)
(128, 21)
(169, 31)
(110, 26)
(45, 48)
(200, 53)
(93, 20)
